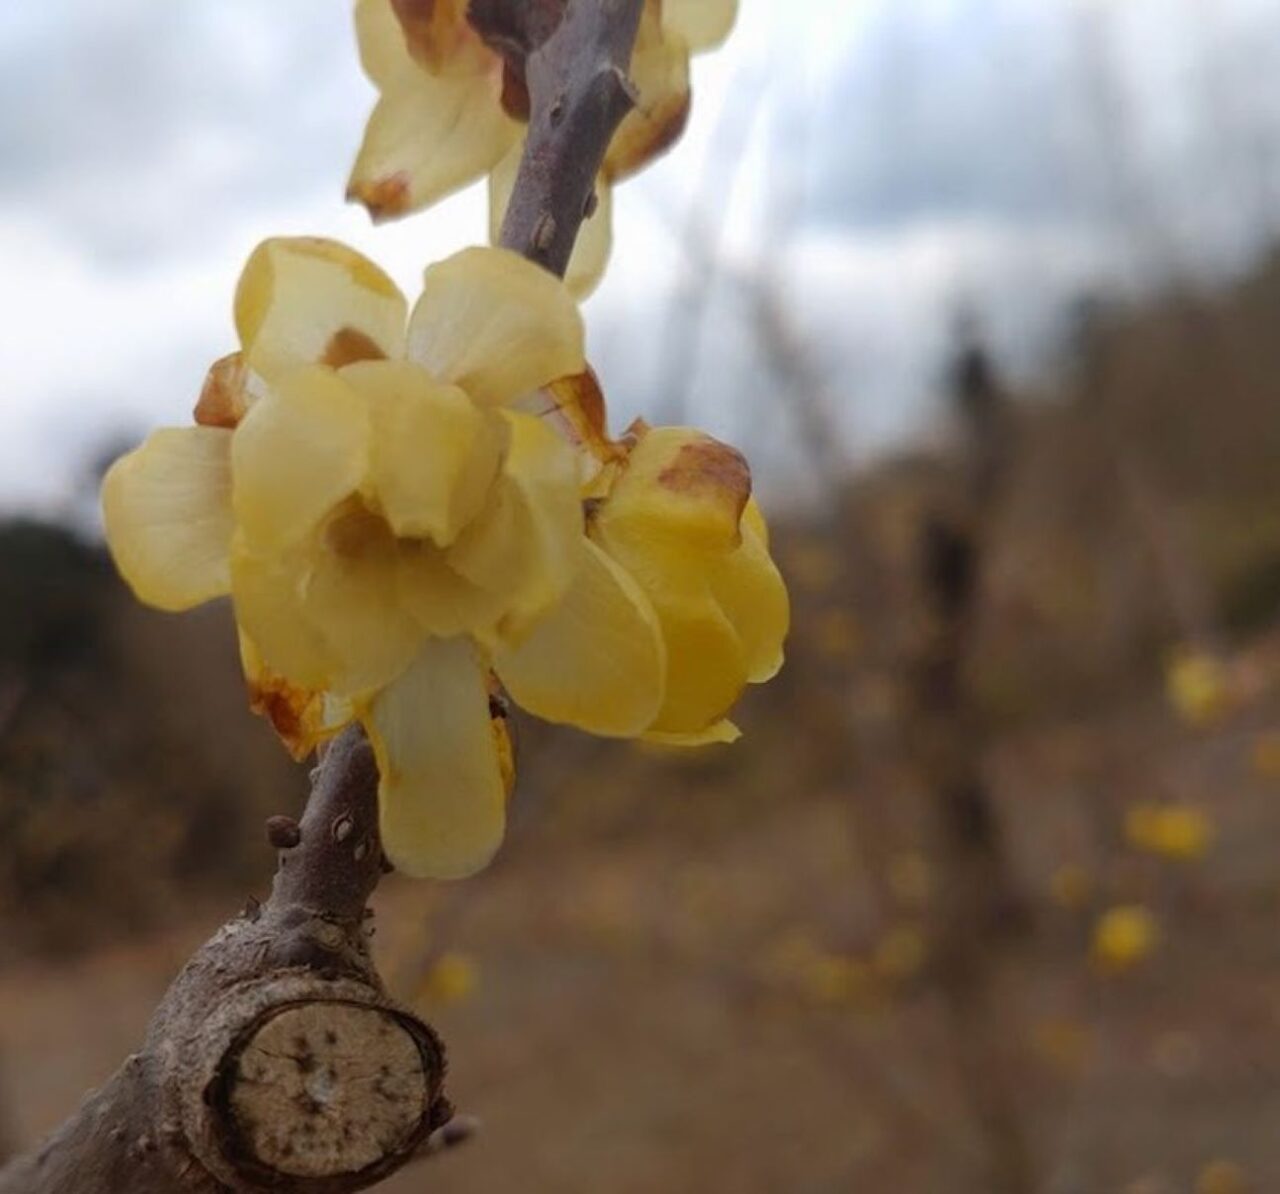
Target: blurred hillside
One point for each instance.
(747, 934)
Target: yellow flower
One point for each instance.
(395, 503)
(451, 110)
(1198, 687)
(1124, 936)
(451, 979)
(1177, 831)
(1222, 1177)
(388, 525)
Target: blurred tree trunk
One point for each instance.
(978, 905)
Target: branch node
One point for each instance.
(284, 833)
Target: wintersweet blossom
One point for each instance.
(411, 509)
(452, 110)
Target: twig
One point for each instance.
(578, 95)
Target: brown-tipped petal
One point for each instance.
(660, 72)
(428, 136)
(306, 300)
(302, 717)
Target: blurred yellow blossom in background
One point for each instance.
(1197, 686)
(451, 978)
(1177, 831)
(1124, 936)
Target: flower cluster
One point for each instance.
(413, 508)
(452, 109)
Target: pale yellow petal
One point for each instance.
(595, 236)
(753, 596)
(306, 300)
(723, 732)
(300, 450)
(681, 490)
(660, 72)
(441, 795)
(706, 665)
(384, 52)
(352, 597)
(525, 543)
(434, 454)
(496, 325)
(166, 507)
(597, 661)
(428, 136)
(267, 591)
(325, 612)
(443, 602)
(703, 24)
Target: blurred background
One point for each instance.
(988, 897)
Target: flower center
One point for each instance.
(356, 531)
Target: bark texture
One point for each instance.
(276, 1060)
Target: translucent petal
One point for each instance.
(305, 300)
(723, 732)
(167, 511)
(352, 597)
(706, 665)
(442, 796)
(525, 543)
(299, 451)
(754, 598)
(575, 407)
(325, 613)
(660, 72)
(682, 490)
(266, 590)
(442, 601)
(302, 717)
(434, 454)
(703, 24)
(384, 52)
(496, 325)
(597, 661)
(428, 136)
(595, 237)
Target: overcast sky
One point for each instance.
(879, 160)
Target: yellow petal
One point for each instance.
(681, 490)
(525, 543)
(352, 596)
(441, 796)
(597, 661)
(300, 450)
(229, 390)
(660, 72)
(434, 453)
(267, 591)
(595, 237)
(496, 325)
(167, 511)
(443, 602)
(302, 717)
(325, 612)
(305, 300)
(753, 596)
(706, 664)
(703, 24)
(428, 136)
(723, 732)
(384, 52)
(575, 407)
